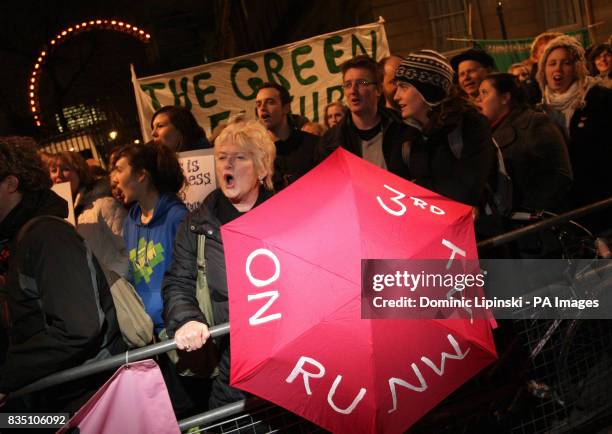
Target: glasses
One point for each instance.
(347, 85)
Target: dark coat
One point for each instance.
(60, 305)
(590, 151)
(396, 140)
(179, 287)
(590, 147)
(294, 157)
(434, 165)
(536, 158)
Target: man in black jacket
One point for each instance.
(370, 131)
(295, 149)
(60, 306)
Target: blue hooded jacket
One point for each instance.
(150, 247)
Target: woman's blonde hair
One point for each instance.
(255, 139)
(576, 53)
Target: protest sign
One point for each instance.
(199, 169)
(309, 69)
(63, 190)
(509, 51)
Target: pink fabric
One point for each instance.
(134, 400)
(318, 230)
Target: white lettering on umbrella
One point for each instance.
(459, 355)
(258, 282)
(395, 199)
(437, 210)
(351, 407)
(454, 249)
(299, 370)
(393, 381)
(256, 318)
(420, 203)
(417, 202)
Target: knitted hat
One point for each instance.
(576, 53)
(476, 55)
(429, 72)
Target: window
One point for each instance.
(80, 117)
(561, 13)
(448, 19)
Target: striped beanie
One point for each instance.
(429, 72)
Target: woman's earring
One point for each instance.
(261, 181)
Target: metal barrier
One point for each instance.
(545, 224)
(107, 364)
(255, 405)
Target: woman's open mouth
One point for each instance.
(229, 180)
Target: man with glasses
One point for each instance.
(369, 131)
(471, 67)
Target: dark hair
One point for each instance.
(159, 162)
(18, 157)
(186, 124)
(476, 55)
(77, 164)
(285, 98)
(594, 53)
(504, 82)
(382, 62)
(447, 115)
(363, 62)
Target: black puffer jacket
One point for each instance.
(396, 139)
(179, 287)
(61, 309)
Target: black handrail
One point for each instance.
(553, 221)
(107, 364)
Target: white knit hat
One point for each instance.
(576, 52)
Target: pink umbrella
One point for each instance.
(133, 400)
(294, 270)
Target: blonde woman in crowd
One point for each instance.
(581, 107)
(244, 165)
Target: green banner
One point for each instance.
(309, 69)
(509, 51)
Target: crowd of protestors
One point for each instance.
(445, 125)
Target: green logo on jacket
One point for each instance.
(144, 258)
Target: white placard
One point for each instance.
(63, 190)
(199, 169)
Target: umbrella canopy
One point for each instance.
(294, 281)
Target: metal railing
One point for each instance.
(545, 224)
(110, 363)
(223, 329)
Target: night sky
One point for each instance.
(93, 67)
